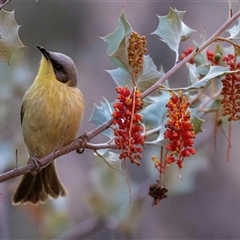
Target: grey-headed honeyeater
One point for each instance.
(51, 115)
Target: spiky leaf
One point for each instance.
(149, 74)
(9, 39)
(146, 78)
(101, 114)
(172, 30)
(154, 115)
(193, 75)
(234, 31)
(117, 46)
(111, 158)
(121, 77)
(196, 121)
(214, 71)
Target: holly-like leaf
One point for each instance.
(149, 74)
(196, 121)
(101, 114)
(111, 158)
(172, 30)
(214, 71)
(117, 46)
(146, 78)
(186, 31)
(9, 41)
(193, 75)
(154, 115)
(121, 77)
(234, 31)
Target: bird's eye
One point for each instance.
(58, 66)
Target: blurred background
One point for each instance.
(203, 205)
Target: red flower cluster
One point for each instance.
(126, 116)
(179, 131)
(231, 90)
(212, 57)
(186, 52)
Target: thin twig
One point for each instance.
(221, 39)
(16, 154)
(96, 146)
(131, 120)
(229, 140)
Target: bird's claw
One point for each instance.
(35, 164)
(80, 150)
(84, 140)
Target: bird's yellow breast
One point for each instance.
(52, 113)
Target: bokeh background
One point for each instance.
(203, 205)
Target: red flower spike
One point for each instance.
(126, 116)
(231, 90)
(179, 130)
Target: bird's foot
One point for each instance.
(35, 164)
(83, 142)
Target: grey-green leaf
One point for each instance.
(9, 39)
(117, 50)
(154, 115)
(196, 121)
(121, 77)
(172, 30)
(149, 74)
(234, 31)
(100, 115)
(111, 158)
(214, 71)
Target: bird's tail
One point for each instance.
(36, 188)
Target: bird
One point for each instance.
(51, 114)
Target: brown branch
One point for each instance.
(80, 142)
(43, 162)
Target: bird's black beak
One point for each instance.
(44, 51)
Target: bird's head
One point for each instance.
(59, 66)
